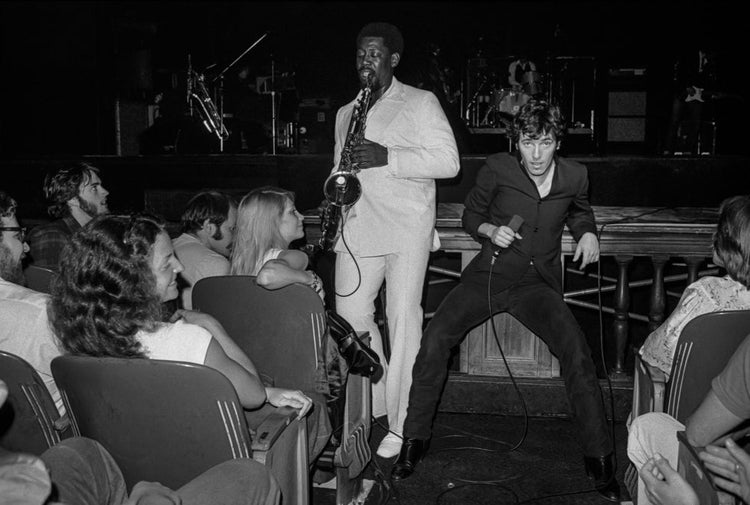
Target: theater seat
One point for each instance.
(168, 421)
(29, 420)
(283, 331)
(39, 278)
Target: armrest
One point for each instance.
(62, 423)
(657, 376)
(272, 427)
(649, 386)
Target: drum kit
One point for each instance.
(504, 102)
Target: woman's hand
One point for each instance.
(288, 398)
(730, 466)
(664, 486)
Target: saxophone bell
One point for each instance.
(342, 188)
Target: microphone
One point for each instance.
(515, 224)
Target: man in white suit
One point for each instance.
(389, 232)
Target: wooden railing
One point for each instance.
(625, 232)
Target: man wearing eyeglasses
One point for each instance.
(76, 196)
(24, 330)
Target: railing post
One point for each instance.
(621, 306)
(657, 302)
(693, 264)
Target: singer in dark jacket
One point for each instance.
(523, 268)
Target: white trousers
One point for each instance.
(404, 274)
(651, 433)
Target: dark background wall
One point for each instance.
(64, 64)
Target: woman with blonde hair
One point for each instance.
(267, 222)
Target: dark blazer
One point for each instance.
(502, 189)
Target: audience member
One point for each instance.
(267, 222)
(24, 328)
(205, 244)
(115, 274)
(79, 471)
(653, 443)
(76, 196)
(709, 294)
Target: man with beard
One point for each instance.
(77, 196)
(24, 328)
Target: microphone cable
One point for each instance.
(505, 361)
(601, 320)
(356, 265)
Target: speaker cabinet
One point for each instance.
(316, 126)
(627, 109)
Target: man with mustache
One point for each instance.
(388, 233)
(77, 196)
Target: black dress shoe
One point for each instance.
(412, 451)
(602, 471)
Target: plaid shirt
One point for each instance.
(46, 241)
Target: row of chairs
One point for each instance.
(170, 421)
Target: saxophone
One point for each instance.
(197, 92)
(342, 188)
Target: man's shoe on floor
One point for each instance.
(389, 446)
(412, 452)
(602, 471)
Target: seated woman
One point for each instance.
(709, 294)
(114, 276)
(267, 222)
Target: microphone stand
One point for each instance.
(273, 107)
(220, 87)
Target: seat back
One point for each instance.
(162, 421)
(27, 419)
(39, 278)
(281, 330)
(703, 350)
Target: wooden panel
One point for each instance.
(526, 354)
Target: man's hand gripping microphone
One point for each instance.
(515, 224)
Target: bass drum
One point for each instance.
(510, 103)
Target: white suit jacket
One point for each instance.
(396, 211)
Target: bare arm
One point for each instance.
(217, 331)
(710, 421)
(250, 389)
(288, 268)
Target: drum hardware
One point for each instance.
(506, 104)
(220, 92)
(473, 102)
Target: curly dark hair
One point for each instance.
(66, 184)
(106, 292)
(392, 38)
(211, 205)
(732, 238)
(537, 118)
(7, 205)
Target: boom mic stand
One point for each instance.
(220, 87)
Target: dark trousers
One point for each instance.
(541, 309)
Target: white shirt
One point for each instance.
(199, 261)
(179, 341)
(25, 332)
